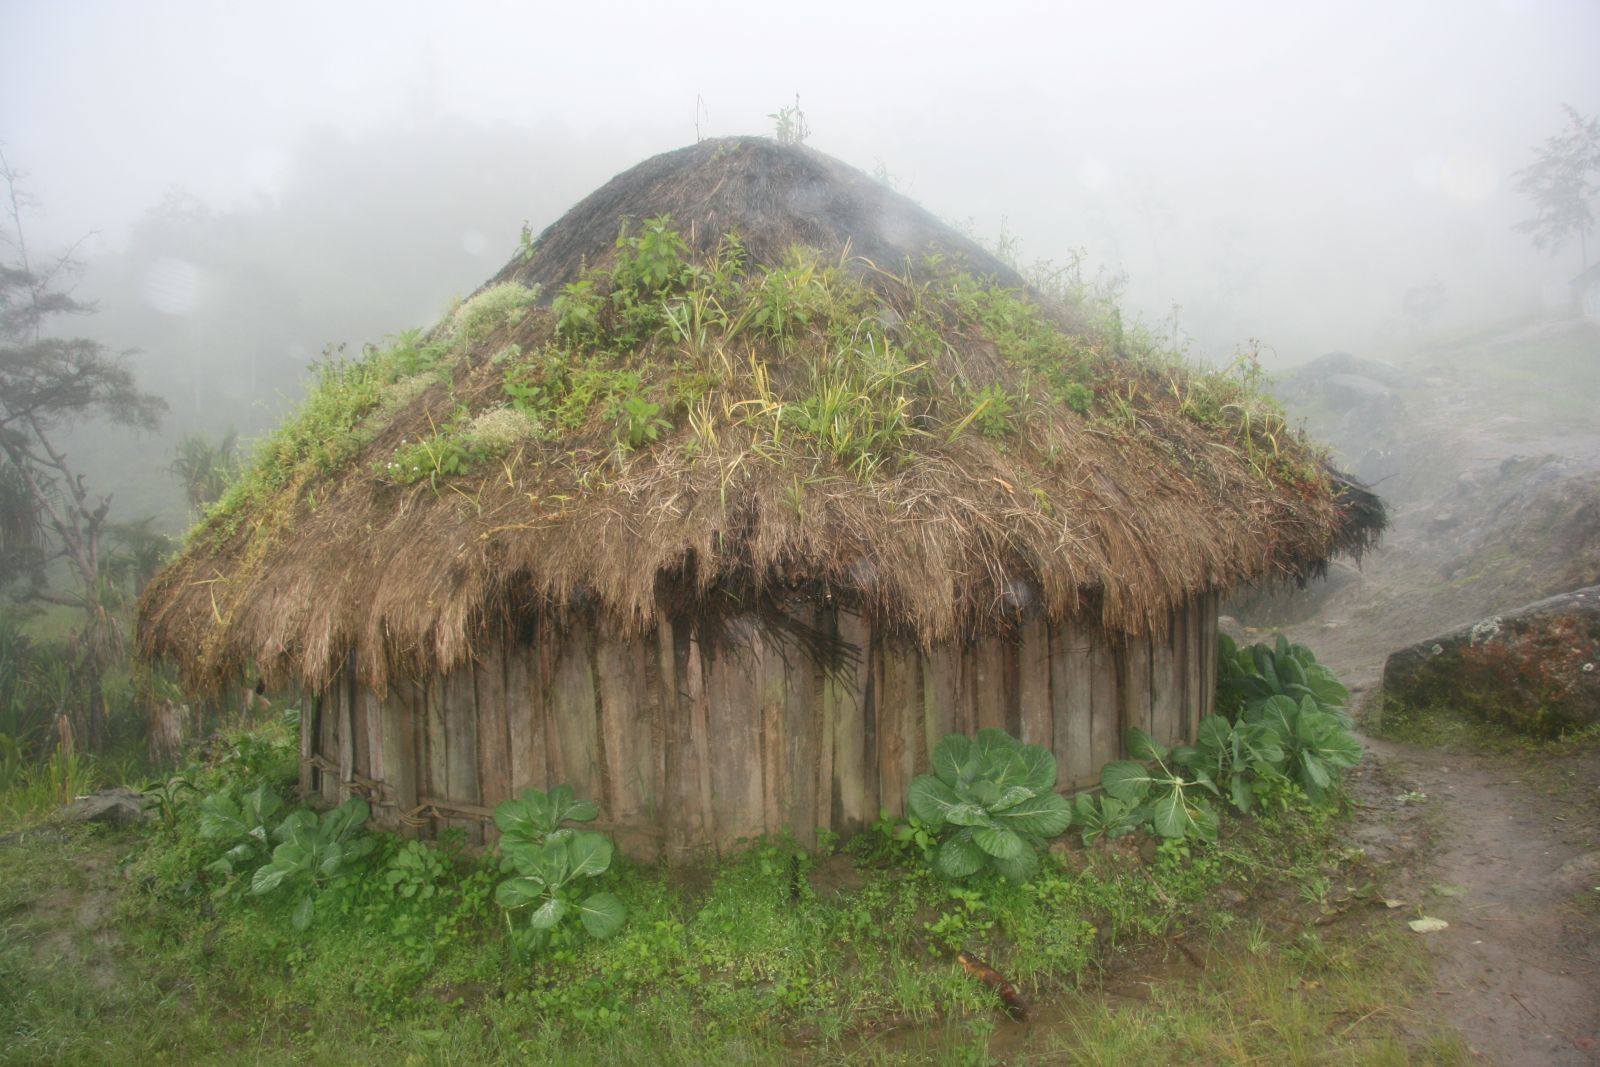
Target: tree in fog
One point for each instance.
(48, 383)
(1563, 182)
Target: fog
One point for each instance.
(263, 180)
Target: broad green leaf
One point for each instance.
(1241, 791)
(985, 792)
(304, 912)
(1266, 668)
(1126, 780)
(1328, 690)
(1292, 673)
(931, 798)
(1316, 772)
(1169, 815)
(331, 857)
(221, 818)
(958, 857)
(602, 914)
(1142, 746)
(1013, 796)
(1019, 869)
(1038, 768)
(588, 854)
(520, 853)
(518, 892)
(526, 816)
(547, 914)
(1215, 734)
(993, 743)
(550, 864)
(950, 757)
(968, 814)
(268, 877)
(1428, 925)
(1041, 816)
(1001, 844)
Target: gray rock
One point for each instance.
(113, 807)
(1535, 669)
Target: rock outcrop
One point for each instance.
(1536, 669)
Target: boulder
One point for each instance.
(1535, 669)
(113, 807)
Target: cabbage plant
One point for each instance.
(991, 802)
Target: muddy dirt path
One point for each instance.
(1506, 849)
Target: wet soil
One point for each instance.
(1505, 847)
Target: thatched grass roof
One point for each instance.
(797, 385)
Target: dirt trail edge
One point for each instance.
(1510, 858)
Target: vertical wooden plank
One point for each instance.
(311, 711)
(370, 721)
(854, 776)
(494, 731)
(525, 720)
(826, 727)
(1166, 718)
(399, 754)
(1105, 699)
(1071, 704)
(436, 780)
(1135, 681)
(344, 735)
(695, 751)
(800, 712)
(989, 682)
(733, 715)
(1033, 684)
(1192, 671)
(940, 688)
(334, 703)
(897, 699)
(1208, 653)
(626, 727)
(461, 747)
(572, 708)
(675, 767)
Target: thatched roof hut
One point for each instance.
(726, 519)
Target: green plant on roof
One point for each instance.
(549, 859)
(992, 803)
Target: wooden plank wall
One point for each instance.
(687, 746)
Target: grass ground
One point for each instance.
(1259, 949)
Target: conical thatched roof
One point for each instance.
(781, 381)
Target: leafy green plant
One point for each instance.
(1176, 805)
(1316, 745)
(1240, 757)
(315, 852)
(1248, 676)
(414, 871)
(240, 825)
(549, 859)
(992, 801)
(639, 421)
(1105, 816)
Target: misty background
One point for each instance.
(252, 183)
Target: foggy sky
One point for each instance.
(1282, 171)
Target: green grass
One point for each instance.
(113, 950)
